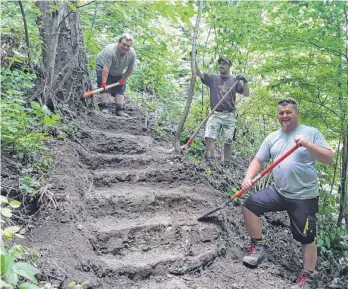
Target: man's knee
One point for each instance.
(119, 99)
(251, 206)
(304, 225)
(305, 238)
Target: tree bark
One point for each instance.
(192, 82)
(343, 187)
(343, 212)
(63, 56)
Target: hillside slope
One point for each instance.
(126, 217)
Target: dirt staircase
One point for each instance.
(136, 225)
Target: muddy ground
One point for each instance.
(124, 215)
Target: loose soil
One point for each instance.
(123, 214)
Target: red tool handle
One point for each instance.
(267, 170)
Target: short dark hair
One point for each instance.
(126, 36)
(285, 102)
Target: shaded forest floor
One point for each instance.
(126, 217)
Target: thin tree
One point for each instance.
(26, 36)
(192, 82)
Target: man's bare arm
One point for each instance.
(199, 72)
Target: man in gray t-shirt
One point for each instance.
(223, 120)
(295, 187)
(111, 63)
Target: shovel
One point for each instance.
(90, 93)
(254, 180)
(185, 146)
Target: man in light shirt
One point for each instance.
(295, 187)
(111, 63)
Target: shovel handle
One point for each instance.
(206, 119)
(90, 93)
(266, 170)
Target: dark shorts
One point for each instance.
(111, 79)
(301, 212)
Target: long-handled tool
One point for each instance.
(254, 180)
(185, 146)
(90, 93)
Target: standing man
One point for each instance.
(110, 65)
(223, 120)
(295, 187)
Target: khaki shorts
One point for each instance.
(223, 123)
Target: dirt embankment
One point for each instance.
(127, 218)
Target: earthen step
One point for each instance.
(153, 174)
(129, 161)
(143, 199)
(118, 236)
(142, 265)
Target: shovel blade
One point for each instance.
(213, 211)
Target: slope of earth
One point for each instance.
(122, 213)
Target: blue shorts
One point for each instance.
(301, 212)
(111, 79)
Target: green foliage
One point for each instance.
(6, 208)
(25, 128)
(196, 149)
(21, 126)
(221, 246)
(13, 270)
(12, 31)
(330, 237)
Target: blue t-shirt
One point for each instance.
(295, 177)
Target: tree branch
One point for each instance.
(26, 35)
(73, 11)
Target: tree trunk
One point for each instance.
(63, 56)
(343, 187)
(343, 213)
(192, 82)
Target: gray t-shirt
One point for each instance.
(296, 176)
(114, 61)
(218, 87)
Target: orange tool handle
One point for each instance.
(267, 170)
(90, 93)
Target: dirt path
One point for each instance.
(129, 218)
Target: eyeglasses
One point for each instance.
(125, 45)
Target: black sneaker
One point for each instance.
(103, 107)
(120, 111)
(257, 253)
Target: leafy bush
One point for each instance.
(23, 128)
(330, 237)
(14, 271)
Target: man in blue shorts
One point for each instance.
(295, 187)
(110, 65)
